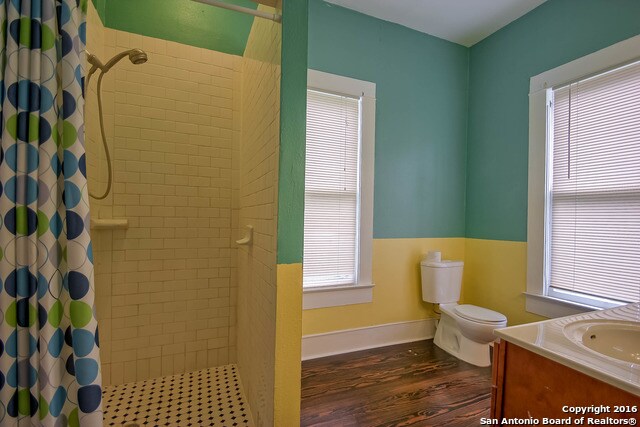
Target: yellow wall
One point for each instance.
(397, 293)
(288, 345)
(495, 277)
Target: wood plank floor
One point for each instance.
(414, 384)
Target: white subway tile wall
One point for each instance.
(165, 286)
(257, 149)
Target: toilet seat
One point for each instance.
(479, 314)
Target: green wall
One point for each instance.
(293, 112)
(557, 32)
(182, 21)
(421, 111)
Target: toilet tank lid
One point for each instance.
(442, 264)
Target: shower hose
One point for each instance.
(104, 140)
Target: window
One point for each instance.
(338, 214)
(586, 254)
(331, 189)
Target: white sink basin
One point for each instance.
(617, 339)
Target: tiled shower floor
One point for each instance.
(210, 397)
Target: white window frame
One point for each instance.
(361, 292)
(537, 298)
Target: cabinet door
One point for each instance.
(497, 378)
(537, 387)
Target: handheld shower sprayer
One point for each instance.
(137, 57)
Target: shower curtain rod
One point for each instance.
(217, 3)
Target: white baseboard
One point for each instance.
(348, 340)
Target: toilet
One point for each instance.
(464, 331)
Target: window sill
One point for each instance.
(553, 307)
(334, 296)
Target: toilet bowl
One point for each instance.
(466, 332)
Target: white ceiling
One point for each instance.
(465, 22)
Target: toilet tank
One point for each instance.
(441, 281)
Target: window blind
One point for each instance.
(594, 187)
(331, 190)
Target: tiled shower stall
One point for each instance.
(194, 137)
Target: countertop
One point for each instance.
(547, 339)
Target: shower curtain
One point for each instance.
(49, 356)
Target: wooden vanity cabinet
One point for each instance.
(526, 385)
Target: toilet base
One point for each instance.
(450, 339)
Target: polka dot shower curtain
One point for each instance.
(49, 361)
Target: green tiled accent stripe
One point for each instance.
(182, 21)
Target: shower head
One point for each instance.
(137, 56)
